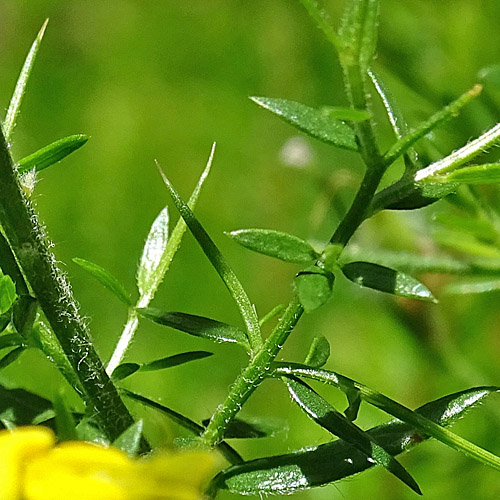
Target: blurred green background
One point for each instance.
(163, 79)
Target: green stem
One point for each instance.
(252, 376)
(27, 240)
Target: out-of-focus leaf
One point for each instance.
(323, 21)
(129, 440)
(345, 114)
(52, 153)
(314, 287)
(24, 314)
(220, 264)
(464, 242)
(319, 352)
(105, 278)
(336, 460)
(311, 121)
(479, 228)
(152, 254)
(469, 287)
(251, 429)
(7, 293)
(197, 325)
(276, 244)
(11, 357)
(87, 430)
(15, 102)
(386, 280)
(487, 173)
(327, 417)
(65, 423)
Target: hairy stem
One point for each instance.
(32, 252)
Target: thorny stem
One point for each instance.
(48, 284)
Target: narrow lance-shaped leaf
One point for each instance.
(15, 102)
(10, 340)
(386, 280)
(220, 264)
(252, 429)
(52, 153)
(487, 173)
(11, 357)
(325, 415)
(65, 423)
(198, 326)
(105, 278)
(276, 244)
(129, 440)
(323, 21)
(7, 293)
(312, 121)
(480, 228)
(464, 242)
(314, 287)
(470, 287)
(346, 114)
(319, 352)
(337, 460)
(126, 369)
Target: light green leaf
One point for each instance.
(323, 21)
(220, 264)
(15, 102)
(478, 228)
(345, 114)
(129, 440)
(272, 313)
(52, 153)
(326, 463)
(152, 254)
(276, 244)
(105, 278)
(314, 287)
(311, 121)
(65, 423)
(197, 325)
(11, 357)
(464, 242)
(7, 293)
(24, 314)
(319, 352)
(470, 287)
(318, 409)
(386, 280)
(487, 173)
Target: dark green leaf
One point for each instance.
(152, 254)
(231, 455)
(10, 340)
(52, 153)
(311, 121)
(276, 244)
(65, 423)
(4, 320)
(314, 287)
(124, 370)
(354, 402)
(129, 440)
(15, 102)
(336, 460)
(7, 293)
(319, 352)
(346, 114)
(197, 325)
(487, 173)
(175, 360)
(220, 264)
(386, 280)
(105, 278)
(11, 357)
(24, 314)
(325, 415)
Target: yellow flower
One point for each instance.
(34, 467)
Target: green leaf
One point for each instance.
(124, 370)
(105, 278)
(10, 340)
(24, 314)
(11, 357)
(319, 352)
(7, 293)
(197, 325)
(336, 460)
(129, 440)
(152, 254)
(271, 314)
(87, 430)
(464, 242)
(4, 321)
(314, 287)
(319, 410)
(251, 429)
(478, 228)
(231, 455)
(311, 121)
(15, 102)
(65, 423)
(22, 407)
(52, 153)
(220, 264)
(354, 402)
(276, 244)
(487, 173)
(358, 33)
(346, 114)
(470, 287)
(386, 280)
(323, 21)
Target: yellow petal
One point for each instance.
(16, 447)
